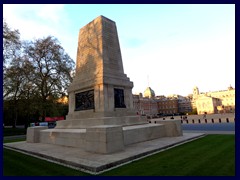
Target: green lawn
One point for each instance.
(213, 155)
(17, 164)
(14, 140)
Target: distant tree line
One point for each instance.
(36, 74)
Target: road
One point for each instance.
(216, 128)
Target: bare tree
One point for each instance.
(52, 68)
(35, 73)
(11, 44)
(11, 77)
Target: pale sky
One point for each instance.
(176, 46)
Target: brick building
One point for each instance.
(167, 106)
(145, 106)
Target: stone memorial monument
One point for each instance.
(101, 118)
(101, 94)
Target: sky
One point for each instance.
(169, 47)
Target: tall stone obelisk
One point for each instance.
(100, 94)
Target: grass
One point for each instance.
(13, 140)
(17, 164)
(213, 155)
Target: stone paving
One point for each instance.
(96, 163)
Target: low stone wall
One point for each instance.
(66, 137)
(104, 139)
(172, 127)
(33, 134)
(140, 133)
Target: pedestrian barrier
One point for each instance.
(205, 120)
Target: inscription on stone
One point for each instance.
(84, 100)
(119, 98)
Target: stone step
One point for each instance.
(65, 137)
(144, 132)
(85, 123)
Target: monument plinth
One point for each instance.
(101, 118)
(100, 92)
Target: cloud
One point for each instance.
(40, 20)
(51, 12)
(34, 21)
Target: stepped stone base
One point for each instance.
(104, 138)
(88, 122)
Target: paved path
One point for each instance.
(209, 132)
(14, 137)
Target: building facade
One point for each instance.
(207, 105)
(167, 106)
(184, 105)
(214, 102)
(145, 106)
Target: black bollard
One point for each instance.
(199, 121)
(193, 121)
(187, 121)
(227, 120)
(220, 120)
(212, 120)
